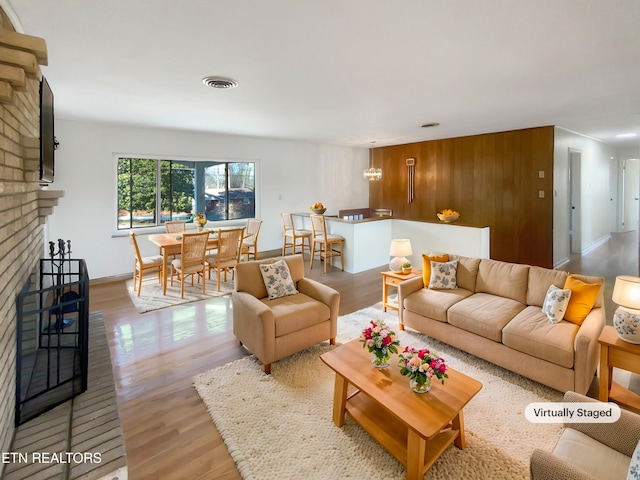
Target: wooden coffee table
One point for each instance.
(414, 428)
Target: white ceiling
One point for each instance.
(345, 72)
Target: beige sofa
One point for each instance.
(496, 314)
(587, 451)
(274, 329)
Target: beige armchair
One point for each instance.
(275, 329)
(587, 451)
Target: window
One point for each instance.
(152, 191)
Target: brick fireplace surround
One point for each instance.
(23, 204)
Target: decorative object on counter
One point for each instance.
(448, 216)
(381, 342)
(421, 366)
(406, 268)
(318, 208)
(200, 220)
(372, 174)
(400, 248)
(626, 319)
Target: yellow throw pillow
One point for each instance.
(583, 296)
(426, 265)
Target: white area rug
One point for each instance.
(151, 297)
(280, 426)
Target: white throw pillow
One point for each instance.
(277, 279)
(443, 275)
(634, 466)
(555, 303)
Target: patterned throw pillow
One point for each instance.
(443, 275)
(634, 466)
(555, 303)
(277, 279)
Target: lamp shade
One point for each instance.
(400, 247)
(626, 292)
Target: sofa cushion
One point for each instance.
(555, 303)
(426, 265)
(484, 314)
(467, 272)
(531, 332)
(539, 281)
(504, 279)
(443, 275)
(591, 456)
(296, 312)
(583, 298)
(434, 303)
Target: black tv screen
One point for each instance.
(47, 137)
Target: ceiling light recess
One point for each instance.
(219, 82)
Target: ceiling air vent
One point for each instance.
(219, 82)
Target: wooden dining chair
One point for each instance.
(228, 254)
(191, 261)
(250, 241)
(140, 264)
(175, 226)
(292, 235)
(325, 241)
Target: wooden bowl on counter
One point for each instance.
(448, 218)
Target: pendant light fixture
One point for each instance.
(372, 174)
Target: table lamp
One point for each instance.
(400, 248)
(626, 319)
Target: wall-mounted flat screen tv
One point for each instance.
(47, 137)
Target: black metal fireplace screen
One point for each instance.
(52, 334)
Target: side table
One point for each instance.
(615, 352)
(394, 278)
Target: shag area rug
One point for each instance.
(151, 297)
(280, 425)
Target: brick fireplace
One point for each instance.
(23, 207)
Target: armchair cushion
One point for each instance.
(296, 312)
(591, 456)
(277, 279)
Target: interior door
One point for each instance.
(575, 223)
(631, 193)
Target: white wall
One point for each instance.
(302, 173)
(597, 196)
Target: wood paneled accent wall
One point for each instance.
(492, 180)
(21, 236)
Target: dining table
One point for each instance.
(168, 241)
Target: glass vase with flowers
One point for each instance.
(381, 342)
(421, 366)
(200, 220)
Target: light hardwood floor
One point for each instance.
(168, 432)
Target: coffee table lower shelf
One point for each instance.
(416, 453)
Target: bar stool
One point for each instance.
(326, 242)
(292, 235)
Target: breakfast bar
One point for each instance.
(367, 241)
